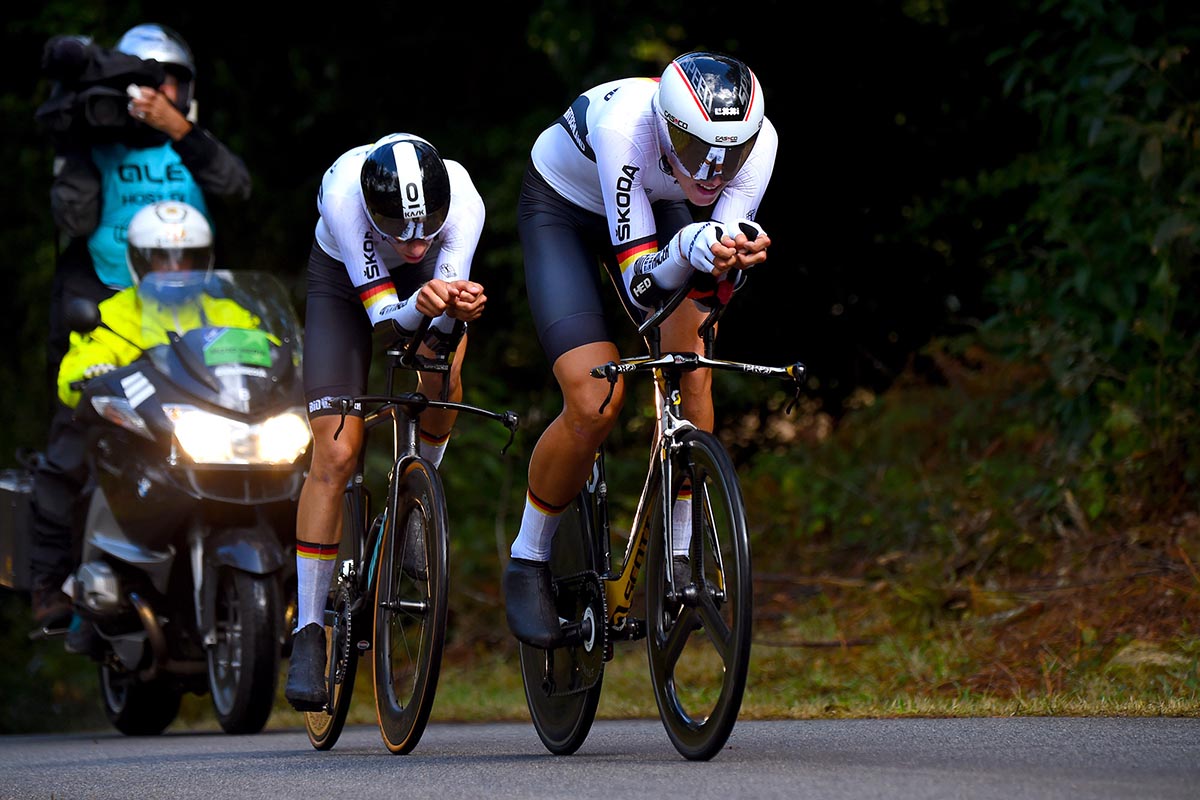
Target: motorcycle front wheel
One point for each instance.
(137, 708)
(243, 662)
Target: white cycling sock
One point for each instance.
(538, 523)
(315, 564)
(433, 447)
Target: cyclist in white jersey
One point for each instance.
(616, 178)
(397, 231)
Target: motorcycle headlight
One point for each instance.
(210, 438)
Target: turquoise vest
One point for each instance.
(131, 178)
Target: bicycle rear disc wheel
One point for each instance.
(699, 644)
(410, 610)
(563, 721)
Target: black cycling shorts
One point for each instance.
(338, 339)
(562, 244)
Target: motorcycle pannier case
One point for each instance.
(16, 528)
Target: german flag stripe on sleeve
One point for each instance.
(375, 293)
(321, 552)
(635, 251)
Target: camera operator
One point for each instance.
(117, 150)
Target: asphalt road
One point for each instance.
(1003, 758)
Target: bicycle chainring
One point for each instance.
(343, 633)
(581, 602)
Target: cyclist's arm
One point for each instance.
(359, 247)
(456, 245)
(741, 198)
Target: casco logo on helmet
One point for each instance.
(727, 140)
(671, 118)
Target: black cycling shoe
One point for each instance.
(306, 689)
(412, 561)
(529, 603)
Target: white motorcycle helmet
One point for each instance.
(174, 241)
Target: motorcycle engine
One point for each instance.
(96, 588)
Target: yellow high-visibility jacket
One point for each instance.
(142, 324)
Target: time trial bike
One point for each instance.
(698, 598)
(389, 596)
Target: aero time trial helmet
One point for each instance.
(153, 41)
(710, 110)
(405, 188)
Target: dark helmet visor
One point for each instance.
(704, 161)
(402, 229)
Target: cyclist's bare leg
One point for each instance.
(319, 513)
(318, 531)
(679, 335)
(558, 468)
(562, 458)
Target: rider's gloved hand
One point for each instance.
(96, 370)
(749, 227)
(693, 244)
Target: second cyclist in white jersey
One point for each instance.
(397, 231)
(612, 179)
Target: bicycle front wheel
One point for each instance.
(410, 605)
(562, 686)
(699, 641)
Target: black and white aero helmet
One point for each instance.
(158, 42)
(710, 109)
(405, 188)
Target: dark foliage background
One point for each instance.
(967, 195)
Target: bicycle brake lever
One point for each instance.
(610, 374)
(344, 403)
(510, 421)
(796, 371)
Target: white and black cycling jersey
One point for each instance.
(345, 233)
(604, 155)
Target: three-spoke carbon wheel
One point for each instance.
(410, 605)
(562, 686)
(699, 641)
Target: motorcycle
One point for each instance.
(197, 451)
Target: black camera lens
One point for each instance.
(106, 109)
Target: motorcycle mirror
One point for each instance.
(82, 315)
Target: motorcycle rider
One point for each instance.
(172, 239)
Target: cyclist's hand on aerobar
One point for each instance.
(463, 300)
(749, 243)
(468, 304)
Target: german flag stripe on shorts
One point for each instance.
(320, 552)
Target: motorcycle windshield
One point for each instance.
(230, 338)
